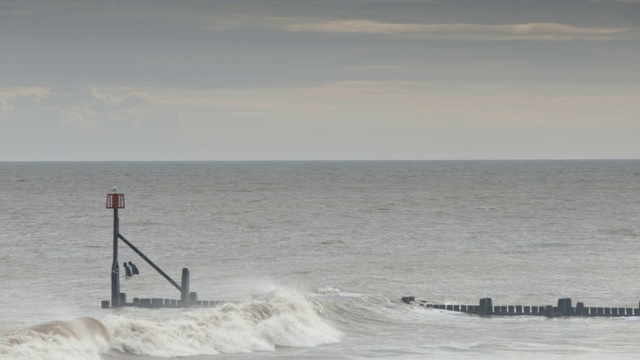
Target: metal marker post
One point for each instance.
(115, 201)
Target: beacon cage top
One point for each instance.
(115, 201)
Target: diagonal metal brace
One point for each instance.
(150, 262)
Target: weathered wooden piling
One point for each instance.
(486, 306)
(184, 289)
(565, 307)
(579, 310)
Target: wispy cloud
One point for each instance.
(301, 17)
(142, 106)
(127, 100)
(92, 106)
(371, 113)
(81, 115)
(9, 96)
(616, 1)
(36, 93)
(530, 31)
(534, 31)
(402, 99)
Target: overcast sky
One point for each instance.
(319, 80)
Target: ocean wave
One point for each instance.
(278, 318)
(82, 338)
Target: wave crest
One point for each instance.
(81, 338)
(280, 318)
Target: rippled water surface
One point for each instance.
(316, 255)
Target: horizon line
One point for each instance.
(331, 160)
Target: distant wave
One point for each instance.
(279, 318)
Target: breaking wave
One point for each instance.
(279, 318)
(82, 338)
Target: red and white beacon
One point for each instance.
(115, 200)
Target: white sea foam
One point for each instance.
(329, 290)
(279, 318)
(82, 339)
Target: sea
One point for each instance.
(310, 260)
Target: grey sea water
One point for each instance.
(316, 255)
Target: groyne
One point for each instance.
(188, 298)
(563, 308)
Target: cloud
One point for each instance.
(10, 96)
(276, 122)
(145, 106)
(5, 108)
(361, 99)
(615, 1)
(119, 104)
(35, 93)
(81, 115)
(530, 31)
(93, 107)
(258, 122)
(128, 100)
(320, 22)
(377, 67)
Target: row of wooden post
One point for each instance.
(192, 301)
(563, 308)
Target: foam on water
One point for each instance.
(279, 318)
(82, 338)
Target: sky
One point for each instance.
(103, 80)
